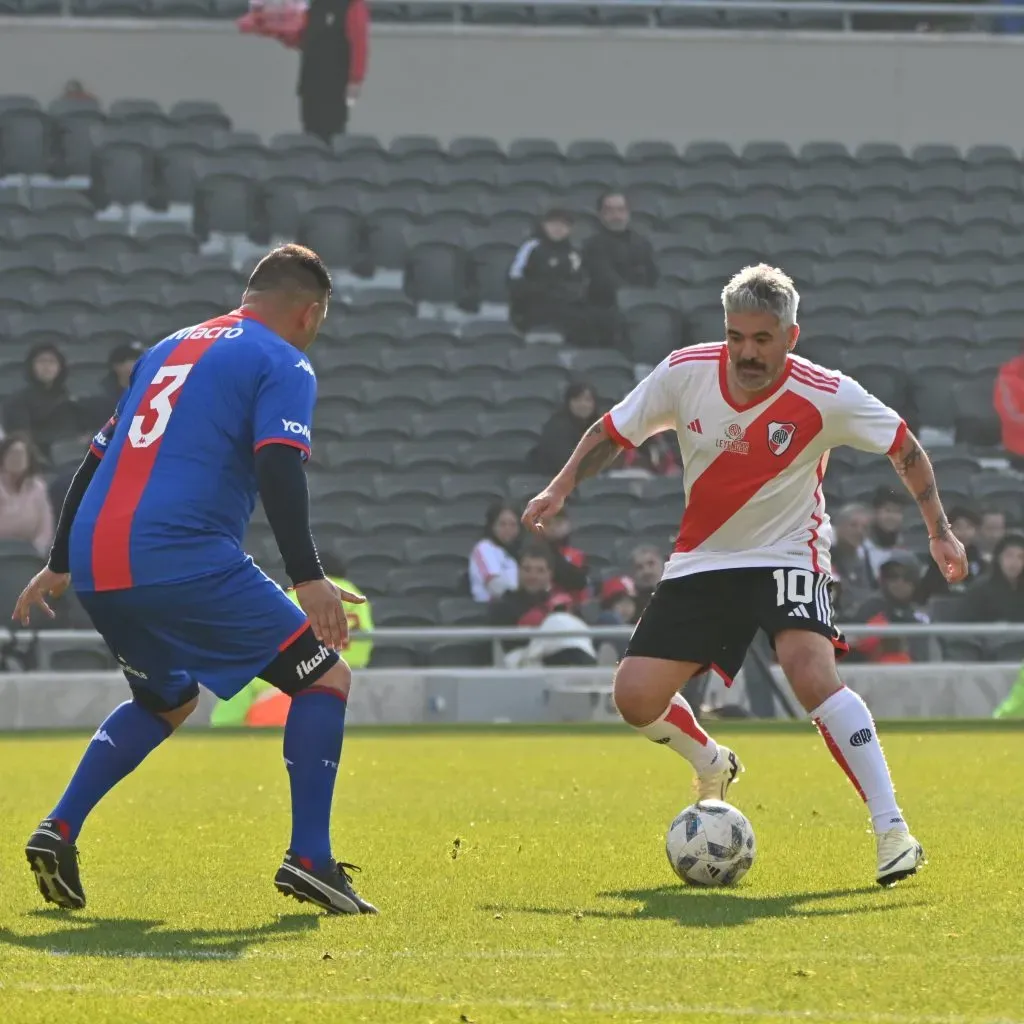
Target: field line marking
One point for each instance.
(651, 1009)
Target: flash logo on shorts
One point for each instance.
(125, 667)
(304, 668)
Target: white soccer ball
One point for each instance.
(711, 844)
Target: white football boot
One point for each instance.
(715, 783)
(899, 856)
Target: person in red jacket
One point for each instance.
(1009, 403)
(333, 36)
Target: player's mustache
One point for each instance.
(749, 364)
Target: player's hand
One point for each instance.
(950, 557)
(542, 509)
(44, 584)
(321, 601)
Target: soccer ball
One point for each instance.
(711, 844)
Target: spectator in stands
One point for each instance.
(893, 604)
(333, 64)
(25, 511)
(618, 608)
(648, 565)
(569, 564)
(849, 561)
(616, 256)
(537, 602)
(493, 569)
(548, 286)
(991, 531)
(97, 409)
(1009, 402)
(562, 432)
(998, 595)
(74, 90)
(964, 523)
(658, 455)
(883, 539)
(44, 409)
(536, 594)
(333, 36)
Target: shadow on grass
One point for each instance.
(717, 908)
(120, 938)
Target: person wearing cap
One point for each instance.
(895, 603)
(618, 608)
(99, 407)
(548, 286)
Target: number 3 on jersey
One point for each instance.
(159, 405)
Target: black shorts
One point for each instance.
(711, 617)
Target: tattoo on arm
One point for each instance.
(600, 457)
(909, 459)
(926, 495)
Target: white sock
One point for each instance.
(678, 730)
(848, 730)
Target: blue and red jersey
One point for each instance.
(176, 487)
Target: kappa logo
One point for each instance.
(102, 737)
(330, 764)
(780, 435)
(304, 668)
(304, 364)
(294, 427)
(860, 737)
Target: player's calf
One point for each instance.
(646, 696)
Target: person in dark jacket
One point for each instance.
(98, 408)
(849, 562)
(898, 578)
(616, 256)
(569, 564)
(548, 286)
(332, 65)
(562, 432)
(998, 596)
(964, 523)
(44, 409)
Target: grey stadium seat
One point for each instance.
(203, 113)
(225, 202)
(435, 271)
(25, 142)
(123, 171)
(334, 233)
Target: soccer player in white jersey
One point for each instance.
(755, 424)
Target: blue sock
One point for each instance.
(120, 745)
(312, 749)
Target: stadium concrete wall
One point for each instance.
(47, 700)
(565, 84)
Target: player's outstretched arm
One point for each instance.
(595, 452)
(915, 470)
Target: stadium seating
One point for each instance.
(124, 224)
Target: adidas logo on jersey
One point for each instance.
(304, 364)
(799, 612)
(694, 425)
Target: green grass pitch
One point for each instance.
(521, 877)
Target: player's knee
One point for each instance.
(809, 664)
(633, 699)
(177, 716)
(337, 677)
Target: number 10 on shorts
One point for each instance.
(793, 586)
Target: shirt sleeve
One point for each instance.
(285, 396)
(647, 410)
(866, 423)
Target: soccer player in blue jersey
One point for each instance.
(151, 533)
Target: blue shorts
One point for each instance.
(221, 630)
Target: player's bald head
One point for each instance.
(291, 272)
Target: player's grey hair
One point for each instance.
(851, 509)
(762, 289)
